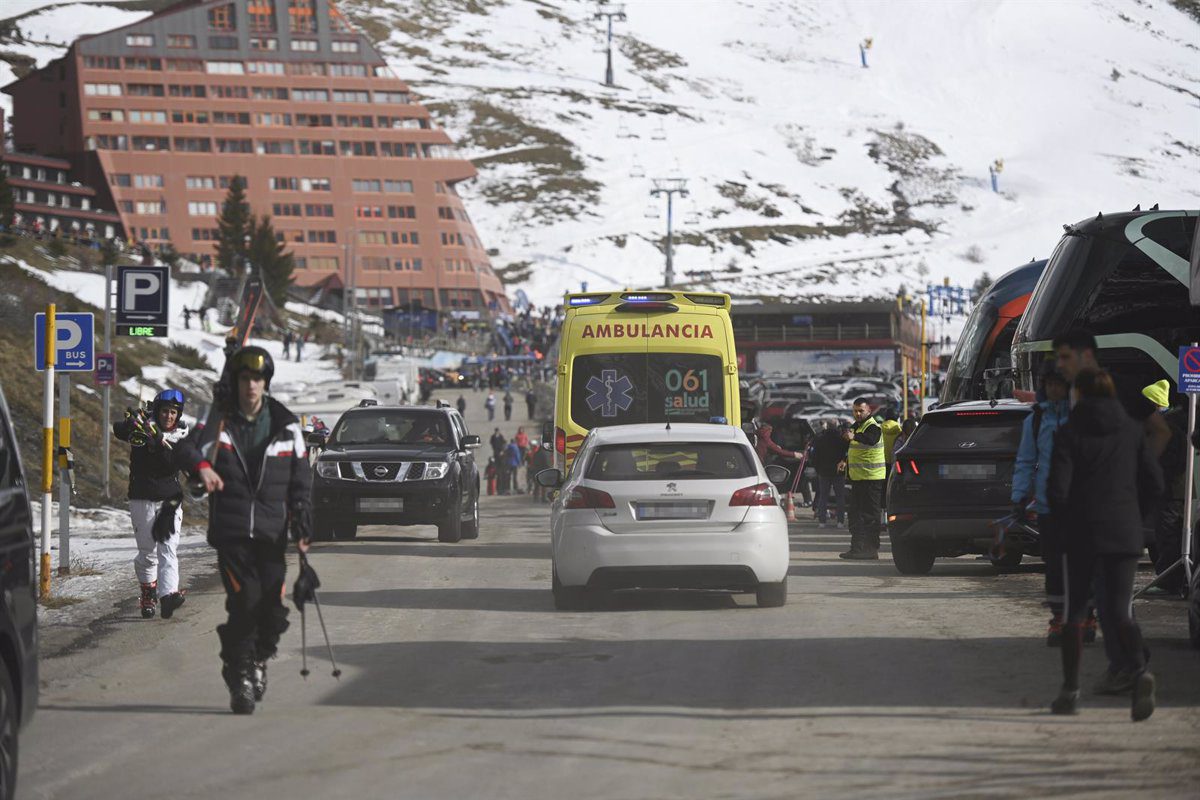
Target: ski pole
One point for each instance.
(337, 673)
(303, 646)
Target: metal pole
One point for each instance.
(1189, 497)
(670, 276)
(47, 452)
(924, 353)
(608, 71)
(64, 476)
(105, 435)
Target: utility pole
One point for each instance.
(670, 187)
(610, 12)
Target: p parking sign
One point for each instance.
(142, 300)
(75, 341)
(1189, 370)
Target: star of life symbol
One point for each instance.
(609, 394)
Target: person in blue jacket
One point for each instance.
(1030, 474)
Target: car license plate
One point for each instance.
(651, 511)
(967, 472)
(381, 504)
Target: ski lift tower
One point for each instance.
(670, 187)
(610, 12)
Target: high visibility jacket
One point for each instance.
(864, 461)
(891, 432)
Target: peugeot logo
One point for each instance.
(966, 444)
(671, 487)
(381, 470)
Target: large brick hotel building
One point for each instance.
(284, 92)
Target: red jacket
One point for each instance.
(764, 445)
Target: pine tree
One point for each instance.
(8, 208)
(233, 226)
(269, 259)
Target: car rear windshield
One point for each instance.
(969, 431)
(391, 427)
(674, 461)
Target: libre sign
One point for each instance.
(142, 300)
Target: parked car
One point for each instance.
(951, 480)
(18, 619)
(397, 465)
(652, 506)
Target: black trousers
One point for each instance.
(1052, 556)
(1113, 576)
(1168, 541)
(866, 499)
(253, 574)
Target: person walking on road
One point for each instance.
(867, 471)
(512, 464)
(155, 499)
(508, 406)
(461, 404)
(1031, 473)
(829, 451)
(1102, 473)
(287, 344)
(530, 404)
(258, 477)
(490, 405)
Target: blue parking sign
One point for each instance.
(75, 340)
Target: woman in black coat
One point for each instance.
(1101, 473)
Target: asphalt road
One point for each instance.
(461, 681)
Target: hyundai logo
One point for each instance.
(381, 470)
(966, 444)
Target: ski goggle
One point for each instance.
(254, 362)
(170, 396)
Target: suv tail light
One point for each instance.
(587, 497)
(560, 440)
(757, 495)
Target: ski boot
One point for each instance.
(171, 603)
(239, 680)
(1054, 631)
(148, 599)
(259, 679)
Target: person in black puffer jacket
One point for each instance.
(1102, 472)
(254, 464)
(155, 499)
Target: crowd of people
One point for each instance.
(509, 457)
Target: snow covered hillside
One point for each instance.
(809, 176)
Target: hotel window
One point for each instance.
(235, 146)
(355, 121)
(357, 148)
(222, 18)
(345, 96)
(322, 262)
(437, 151)
(150, 206)
(405, 237)
(106, 115)
(318, 210)
(305, 45)
(203, 208)
(366, 185)
(185, 65)
(193, 144)
(206, 234)
(143, 63)
(222, 43)
(452, 238)
(260, 44)
(200, 182)
(391, 97)
(348, 70)
(261, 16)
(313, 147)
(101, 62)
(399, 149)
(148, 117)
(183, 41)
(270, 93)
(151, 143)
(139, 40)
(290, 236)
(264, 67)
(316, 185)
(310, 95)
(276, 147)
(408, 264)
(223, 181)
(231, 117)
(122, 179)
(341, 46)
(188, 90)
(374, 263)
(402, 212)
(337, 23)
(102, 89)
(230, 92)
(144, 89)
(404, 122)
(314, 120)
(275, 120)
(369, 212)
(126, 206)
(147, 181)
(189, 117)
(321, 237)
(398, 187)
(155, 234)
(286, 209)
(224, 68)
(302, 16)
(283, 184)
(375, 296)
(305, 68)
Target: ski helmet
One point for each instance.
(251, 358)
(169, 398)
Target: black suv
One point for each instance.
(18, 617)
(397, 465)
(951, 480)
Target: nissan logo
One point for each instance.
(966, 444)
(382, 470)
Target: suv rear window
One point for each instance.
(392, 427)
(674, 461)
(989, 430)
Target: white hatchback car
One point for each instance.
(653, 507)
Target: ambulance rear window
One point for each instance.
(628, 388)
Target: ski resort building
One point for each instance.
(357, 179)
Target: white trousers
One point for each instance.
(155, 560)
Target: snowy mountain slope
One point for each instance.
(808, 175)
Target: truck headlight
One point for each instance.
(328, 469)
(435, 470)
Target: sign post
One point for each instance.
(143, 305)
(66, 472)
(106, 380)
(47, 343)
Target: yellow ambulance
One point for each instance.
(634, 357)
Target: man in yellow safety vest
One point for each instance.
(867, 471)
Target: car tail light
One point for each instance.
(899, 469)
(758, 495)
(913, 465)
(899, 517)
(587, 497)
(560, 440)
